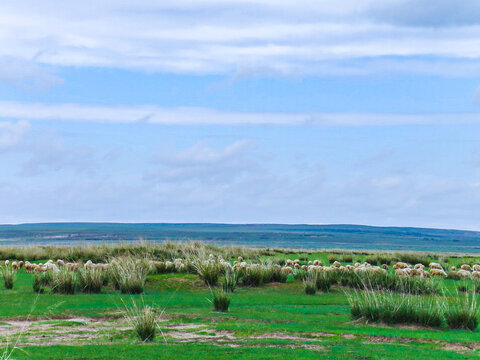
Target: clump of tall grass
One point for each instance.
(310, 283)
(463, 313)
(129, 274)
(378, 259)
(275, 274)
(453, 275)
(144, 321)
(299, 274)
(345, 258)
(8, 276)
(391, 308)
(415, 258)
(209, 271)
(389, 282)
(230, 280)
(221, 300)
(254, 275)
(64, 282)
(41, 281)
(90, 280)
(325, 280)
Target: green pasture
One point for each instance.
(316, 326)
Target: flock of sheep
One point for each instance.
(179, 265)
(53, 266)
(400, 268)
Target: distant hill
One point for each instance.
(268, 235)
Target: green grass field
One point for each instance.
(274, 321)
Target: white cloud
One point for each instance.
(11, 133)
(204, 116)
(202, 163)
(216, 37)
(27, 74)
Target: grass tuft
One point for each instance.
(8, 277)
(221, 300)
(90, 280)
(144, 321)
(463, 314)
(64, 282)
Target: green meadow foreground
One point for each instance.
(270, 315)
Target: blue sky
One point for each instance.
(241, 111)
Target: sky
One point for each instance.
(241, 111)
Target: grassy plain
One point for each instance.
(273, 321)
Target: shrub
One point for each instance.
(221, 300)
(230, 280)
(463, 314)
(90, 280)
(63, 282)
(143, 320)
(209, 271)
(8, 276)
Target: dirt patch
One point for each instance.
(280, 336)
(462, 347)
(59, 331)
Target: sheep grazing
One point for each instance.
(415, 272)
(453, 268)
(437, 272)
(434, 265)
(464, 274)
(476, 274)
(304, 267)
(466, 267)
(476, 267)
(419, 266)
(400, 265)
(7, 262)
(401, 272)
(385, 266)
(14, 266)
(357, 265)
(20, 264)
(425, 274)
(317, 263)
(60, 263)
(89, 264)
(72, 266)
(336, 264)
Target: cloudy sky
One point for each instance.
(313, 111)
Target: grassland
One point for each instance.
(272, 321)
